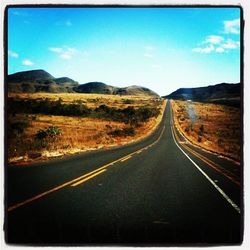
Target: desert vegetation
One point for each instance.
(211, 126)
(44, 125)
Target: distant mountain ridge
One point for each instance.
(102, 88)
(223, 93)
(31, 75)
(41, 81)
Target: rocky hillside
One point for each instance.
(41, 81)
(223, 93)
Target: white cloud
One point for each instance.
(232, 26)
(219, 50)
(217, 44)
(65, 52)
(13, 54)
(149, 48)
(148, 55)
(56, 50)
(214, 39)
(205, 50)
(230, 44)
(27, 62)
(66, 56)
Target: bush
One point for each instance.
(128, 101)
(41, 134)
(19, 126)
(129, 115)
(201, 130)
(129, 131)
(16, 129)
(44, 136)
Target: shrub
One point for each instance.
(128, 115)
(128, 101)
(41, 134)
(44, 136)
(201, 130)
(19, 126)
(129, 131)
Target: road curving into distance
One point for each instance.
(161, 190)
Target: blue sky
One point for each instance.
(159, 48)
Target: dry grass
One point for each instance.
(211, 126)
(77, 133)
(91, 100)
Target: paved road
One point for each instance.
(158, 191)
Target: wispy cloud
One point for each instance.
(13, 54)
(232, 26)
(148, 55)
(219, 50)
(230, 44)
(149, 51)
(205, 50)
(56, 50)
(64, 52)
(214, 39)
(27, 62)
(217, 44)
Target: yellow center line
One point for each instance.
(11, 208)
(126, 158)
(89, 177)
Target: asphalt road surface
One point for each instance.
(161, 190)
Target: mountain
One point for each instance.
(102, 88)
(65, 80)
(41, 81)
(223, 93)
(30, 76)
(135, 90)
(95, 87)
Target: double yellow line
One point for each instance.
(235, 179)
(83, 178)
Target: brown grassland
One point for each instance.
(78, 134)
(211, 126)
(90, 100)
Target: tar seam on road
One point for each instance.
(85, 176)
(207, 177)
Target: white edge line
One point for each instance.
(208, 178)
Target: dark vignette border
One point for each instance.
(5, 45)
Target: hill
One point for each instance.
(223, 93)
(65, 80)
(41, 81)
(30, 76)
(95, 88)
(102, 88)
